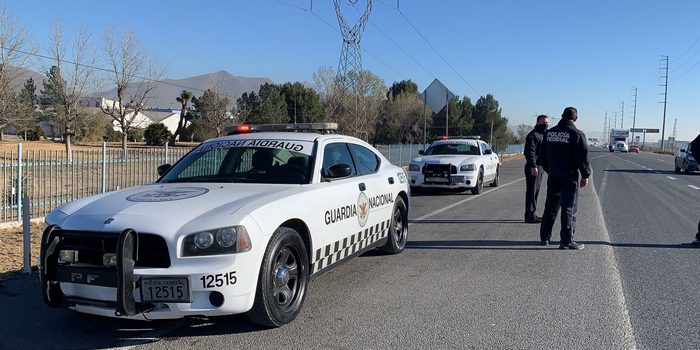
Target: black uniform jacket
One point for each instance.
(533, 143)
(564, 148)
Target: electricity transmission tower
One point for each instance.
(350, 64)
(665, 85)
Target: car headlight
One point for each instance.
(413, 167)
(467, 167)
(226, 240)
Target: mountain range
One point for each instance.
(163, 96)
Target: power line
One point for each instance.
(337, 30)
(399, 46)
(436, 51)
(111, 71)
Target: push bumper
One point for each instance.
(121, 277)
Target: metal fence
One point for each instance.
(402, 154)
(48, 179)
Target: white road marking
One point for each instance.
(618, 292)
(471, 198)
(605, 155)
(694, 187)
(671, 177)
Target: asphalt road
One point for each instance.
(472, 276)
(652, 215)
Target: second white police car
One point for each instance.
(238, 225)
(457, 163)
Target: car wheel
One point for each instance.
(676, 169)
(283, 279)
(496, 180)
(479, 183)
(398, 229)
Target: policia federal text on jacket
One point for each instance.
(564, 155)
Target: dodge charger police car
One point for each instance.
(458, 163)
(238, 225)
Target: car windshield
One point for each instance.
(453, 148)
(245, 161)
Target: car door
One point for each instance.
(490, 161)
(341, 198)
(378, 189)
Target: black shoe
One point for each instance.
(572, 245)
(536, 220)
(544, 243)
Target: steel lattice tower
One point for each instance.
(350, 64)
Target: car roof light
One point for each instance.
(324, 128)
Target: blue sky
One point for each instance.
(534, 56)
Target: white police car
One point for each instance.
(456, 163)
(237, 225)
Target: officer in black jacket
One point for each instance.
(695, 150)
(533, 168)
(564, 156)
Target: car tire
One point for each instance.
(676, 169)
(496, 180)
(283, 280)
(479, 187)
(398, 229)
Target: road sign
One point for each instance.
(648, 131)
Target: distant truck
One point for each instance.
(617, 135)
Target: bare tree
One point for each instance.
(14, 46)
(68, 83)
(134, 75)
(521, 132)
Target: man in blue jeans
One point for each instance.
(564, 156)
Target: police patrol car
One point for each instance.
(238, 225)
(457, 163)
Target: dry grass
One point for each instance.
(11, 243)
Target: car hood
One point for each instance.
(159, 207)
(447, 159)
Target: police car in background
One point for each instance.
(456, 163)
(238, 225)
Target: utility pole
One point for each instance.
(622, 116)
(663, 125)
(634, 114)
(605, 124)
(615, 122)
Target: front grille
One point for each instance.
(437, 170)
(91, 246)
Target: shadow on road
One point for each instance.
(472, 221)
(532, 245)
(641, 171)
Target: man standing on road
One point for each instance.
(695, 150)
(533, 168)
(564, 155)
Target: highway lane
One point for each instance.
(651, 214)
(472, 276)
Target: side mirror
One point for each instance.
(339, 170)
(163, 168)
(421, 152)
(682, 150)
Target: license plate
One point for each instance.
(437, 179)
(165, 289)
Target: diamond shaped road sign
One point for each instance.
(436, 95)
